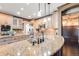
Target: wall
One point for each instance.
(5, 19)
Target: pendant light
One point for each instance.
(45, 12)
(39, 11)
(49, 8)
(45, 21)
(45, 8)
(48, 11)
(50, 18)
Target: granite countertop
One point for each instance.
(11, 39)
(5, 36)
(25, 48)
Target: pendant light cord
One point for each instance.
(45, 8)
(49, 7)
(39, 7)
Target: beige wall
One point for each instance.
(5, 19)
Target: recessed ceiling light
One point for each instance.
(29, 16)
(27, 3)
(39, 14)
(0, 7)
(34, 14)
(22, 9)
(18, 13)
(40, 10)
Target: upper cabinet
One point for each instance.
(17, 23)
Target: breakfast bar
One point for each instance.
(25, 48)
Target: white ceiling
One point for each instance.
(27, 10)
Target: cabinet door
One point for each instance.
(14, 21)
(17, 23)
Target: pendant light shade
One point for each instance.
(39, 14)
(45, 13)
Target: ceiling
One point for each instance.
(28, 10)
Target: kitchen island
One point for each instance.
(25, 48)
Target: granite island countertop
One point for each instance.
(25, 48)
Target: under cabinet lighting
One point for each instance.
(27, 3)
(34, 14)
(45, 20)
(29, 16)
(0, 7)
(29, 48)
(22, 9)
(49, 53)
(18, 54)
(45, 54)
